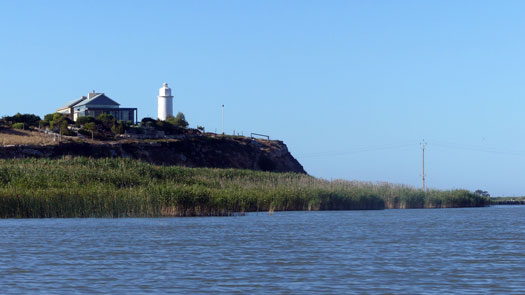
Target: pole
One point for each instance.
(423, 145)
(222, 119)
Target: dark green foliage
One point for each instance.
(83, 187)
(172, 125)
(482, 193)
(148, 122)
(64, 130)
(178, 121)
(83, 120)
(91, 129)
(57, 122)
(120, 127)
(29, 120)
(85, 132)
(49, 117)
(508, 201)
(19, 126)
(90, 126)
(107, 121)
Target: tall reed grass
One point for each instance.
(85, 187)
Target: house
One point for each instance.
(96, 104)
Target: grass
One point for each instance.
(10, 136)
(84, 187)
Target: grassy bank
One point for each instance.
(83, 187)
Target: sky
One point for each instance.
(352, 87)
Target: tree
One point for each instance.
(149, 122)
(56, 120)
(90, 126)
(26, 119)
(482, 193)
(178, 121)
(48, 118)
(107, 120)
(64, 130)
(120, 127)
(83, 120)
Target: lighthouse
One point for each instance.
(165, 102)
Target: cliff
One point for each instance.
(189, 151)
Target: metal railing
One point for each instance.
(252, 135)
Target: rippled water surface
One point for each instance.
(470, 251)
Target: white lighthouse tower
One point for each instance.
(165, 102)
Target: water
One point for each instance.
(433, 251)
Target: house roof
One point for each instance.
(99, 99)
(72, 103)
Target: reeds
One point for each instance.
(84, 187)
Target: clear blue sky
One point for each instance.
(351, 86)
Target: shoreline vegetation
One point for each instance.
(507, 201)
(118, 187)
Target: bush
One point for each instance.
(148, 122)
(178, 121)
(83, 120)
(107, 121)
(48, 118)
(120, 127)
(89, 133)
(27, 119)
(90, 126)
(56, 121)
(18, 126)
(64, 130)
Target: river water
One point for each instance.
(432, 251)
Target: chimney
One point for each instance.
(92, 94)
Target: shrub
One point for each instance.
(107, 121)
(178, 121)
(83, 120)
(148, 122)
(27, 119)
(55, 121)
(18, 126)
(120, 127)
(90, 126)
(64, 130)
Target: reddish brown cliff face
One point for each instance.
(198, 151)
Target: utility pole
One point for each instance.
(222, 119)
(423, 145)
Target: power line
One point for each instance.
(355, 151)
(474, 148)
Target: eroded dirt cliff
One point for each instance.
(197, 151)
